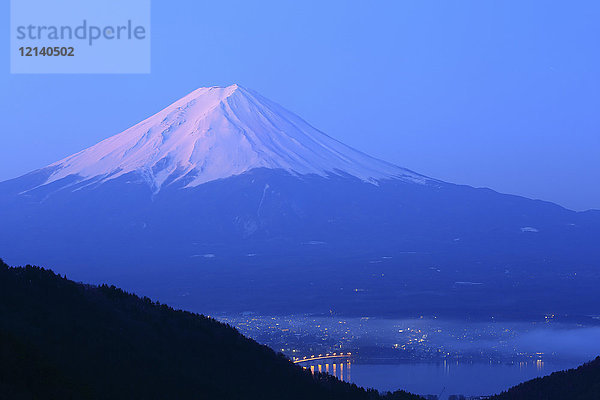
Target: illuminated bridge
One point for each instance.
(328, 356)
(336, 364)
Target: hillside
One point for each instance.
(65, 340)
(581, 383)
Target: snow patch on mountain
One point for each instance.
(218, 132)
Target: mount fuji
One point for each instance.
(226, 201)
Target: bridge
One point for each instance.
(328, 356)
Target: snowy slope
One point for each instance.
(218, 132)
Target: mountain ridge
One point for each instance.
(580, 383)
(61, 339)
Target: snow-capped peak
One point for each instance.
(218, 132)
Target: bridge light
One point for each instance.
(349, 354)
(335, 354)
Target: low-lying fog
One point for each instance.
(424, 338)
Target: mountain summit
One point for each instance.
(218, 132)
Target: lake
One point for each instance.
(470, 379)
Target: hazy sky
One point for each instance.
(503, 94)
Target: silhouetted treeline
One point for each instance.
(65, 340)
(582, 383)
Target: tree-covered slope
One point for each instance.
(582, 383)
(65, 340)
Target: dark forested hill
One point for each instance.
(582, 383)
(64, 340)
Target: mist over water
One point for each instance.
(566, 343)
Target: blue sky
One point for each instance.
(503, 94)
